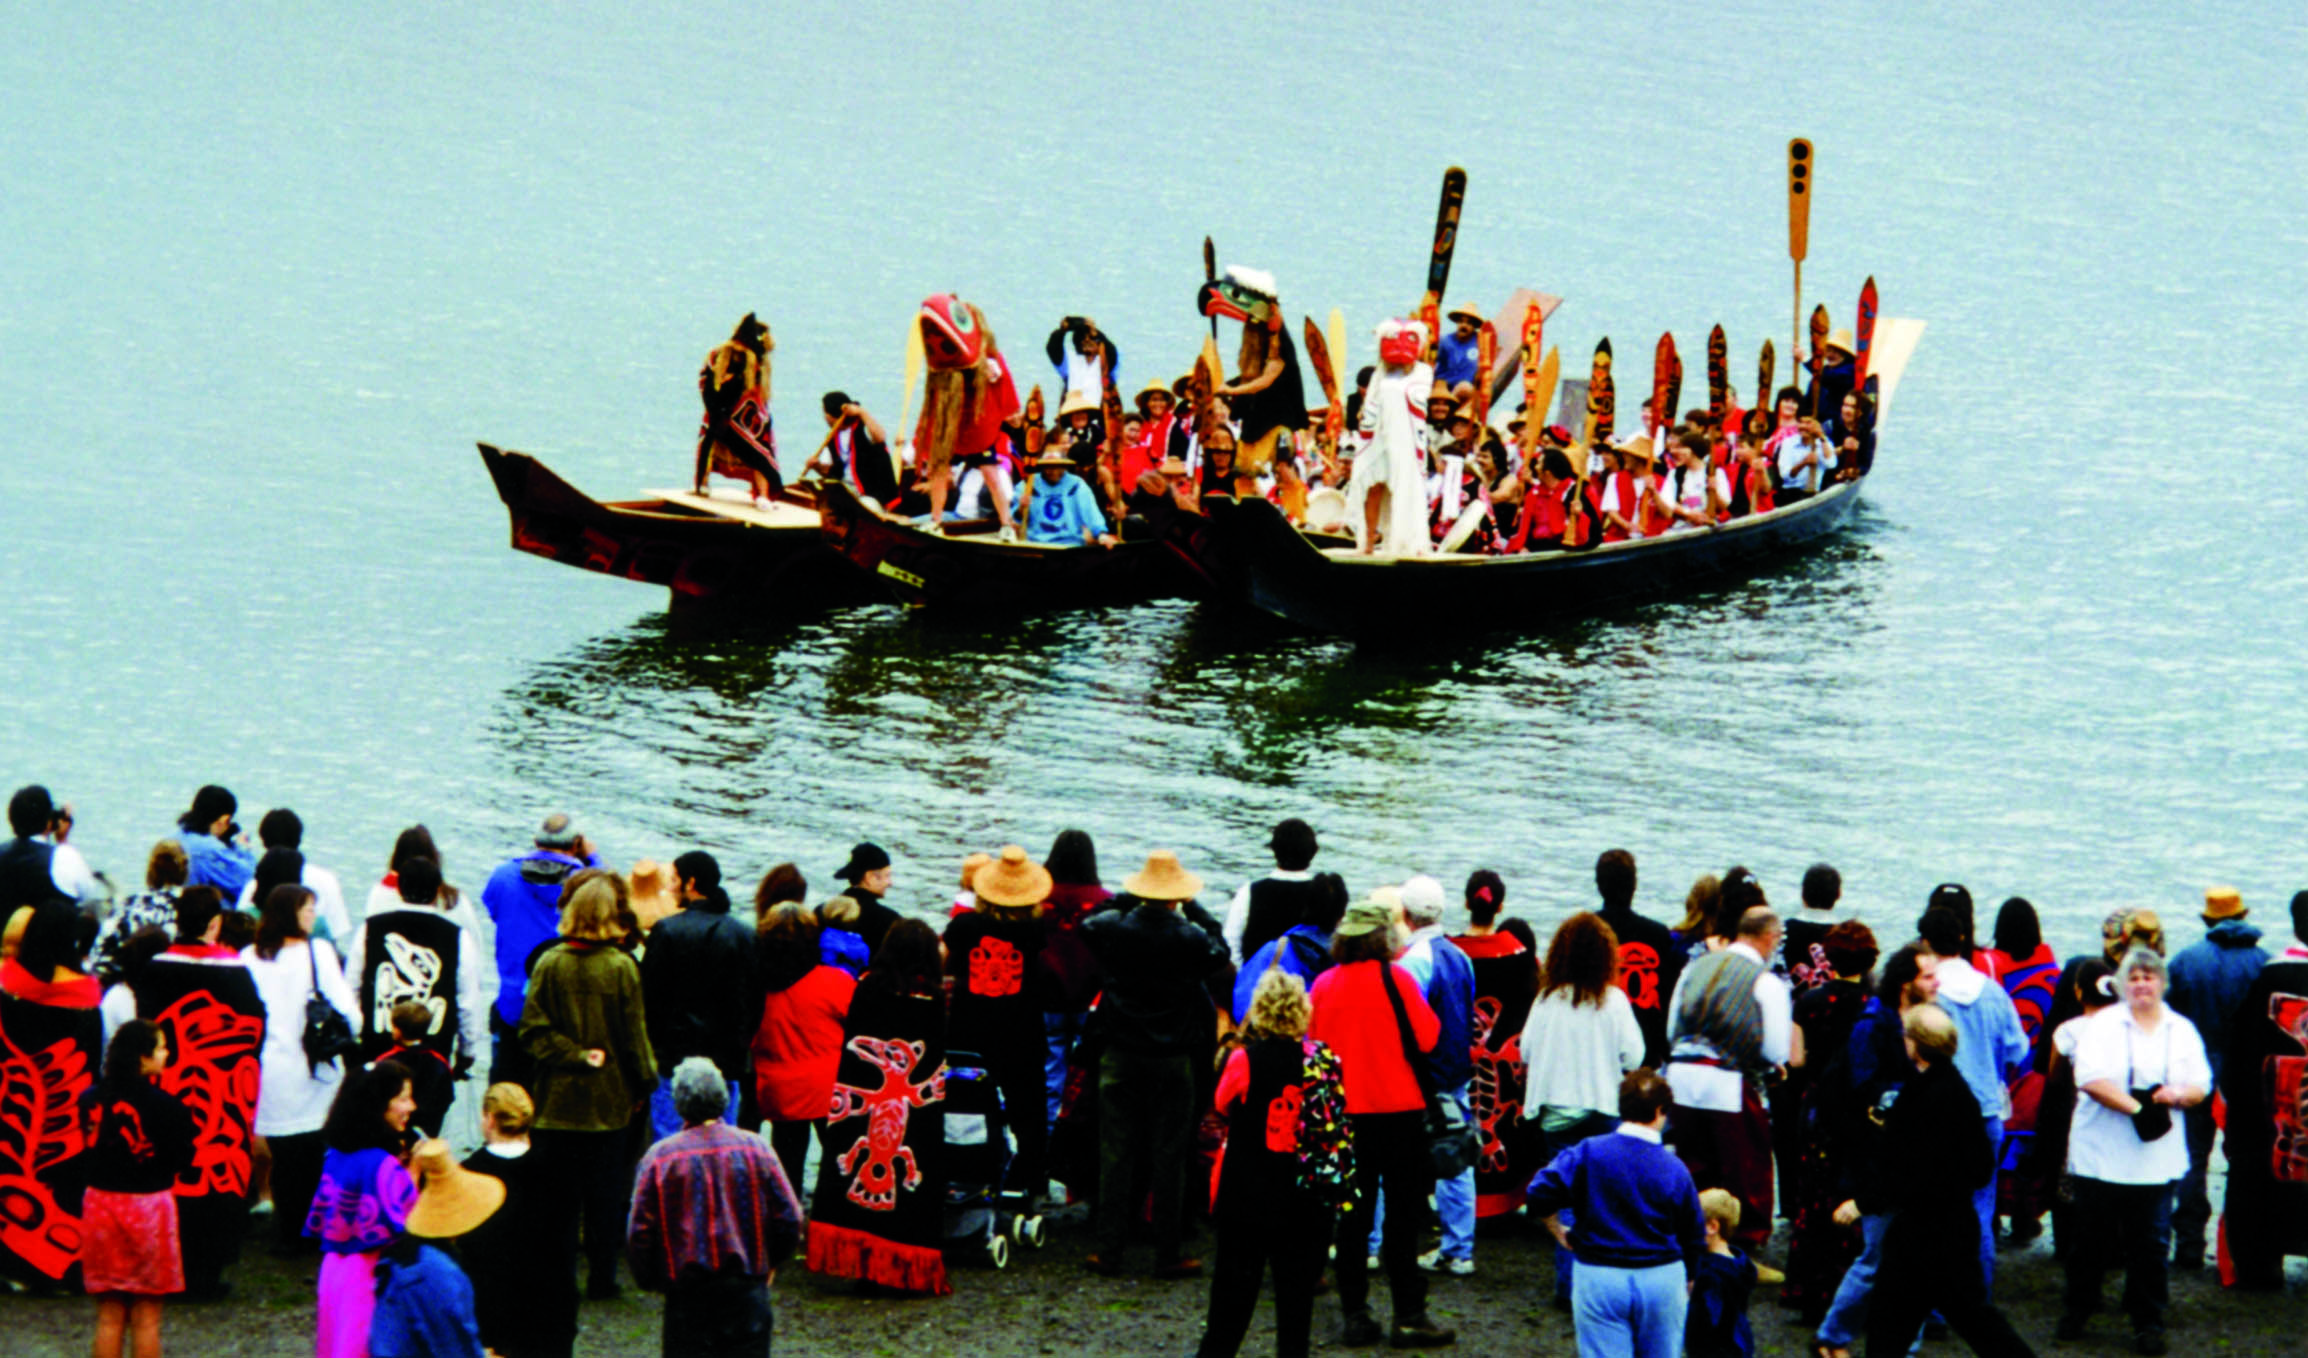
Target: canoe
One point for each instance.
(968, 569)
(708, 550)
(1256, 557)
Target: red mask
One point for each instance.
(1400, 348)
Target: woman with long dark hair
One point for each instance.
(583, 1024)
(878, 1211)
(289, 966)
(1506, 981)
(139, 1140)
(363, 1200)
(798, 1042)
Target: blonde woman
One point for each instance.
(1262, 1212)
(524, 1270)
(582, 1023)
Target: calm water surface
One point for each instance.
(268, 275)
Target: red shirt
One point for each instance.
(1352, 1016)
(798, 1046)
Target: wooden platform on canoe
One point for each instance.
(736, 505)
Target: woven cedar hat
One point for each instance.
(451, 1199)
(1162, 879)
(1152, 390)
(1076, 400)
(1013, 879)
(1840, 342)
(1465, 309)
(1054, 456)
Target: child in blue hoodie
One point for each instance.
(839, 944)
(1716, 1325)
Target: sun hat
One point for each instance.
(1054, 456)
(1162, 879)
(1152, 390)
(970, 866)
(1013, 879)
(1840, 342)
(1173, 465)
(865, 858)
(1464, 309)
(1076, 400)
(649, 889)
(451, 1199)
(1325, 508)
(1365, 917)
(2223, 902)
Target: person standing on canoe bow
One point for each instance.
(735, 438)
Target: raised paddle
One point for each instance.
(913, 375)
(1210, 275)
(1666, 383)
(1765, 368)
(1486, 354)
(1338, 350)
(1602, 397)
(1819, 328)
(1799, 166)
(1863, 334)
(1718, 377)
(1534, 332)
(1446, 241)
(1538, 392)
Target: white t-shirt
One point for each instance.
(2102, 1143)
(292, 1097)
(1687, 490)
(70, 872)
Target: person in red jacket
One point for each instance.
(798, 1045)
(1386, 1111)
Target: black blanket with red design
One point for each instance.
(48, 1060)
(2265, 1081)
(879, 1209)
(1506, 980)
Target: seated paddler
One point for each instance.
(1058, 507)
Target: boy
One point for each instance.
(1720, 1284)
(430, 1079)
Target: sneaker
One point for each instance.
(1418, 1332)
(1008, 534)
(2071, 1326)
(1373, 1264)
(1360, 1332)
(1434, 1262)
(2150, 1342)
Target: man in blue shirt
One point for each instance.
(1456, 353)
(1063, 509)
(1638, 1228)
(523, 898)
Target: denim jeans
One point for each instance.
(664, 1122)
(1841, 1328)
(1454, 1202)
(1629, 1312)
(1983, 1202)
(1059, 1034)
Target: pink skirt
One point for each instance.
(128, 1243)
(348, 1302)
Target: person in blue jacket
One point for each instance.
(216, 850)
(1059, 507)
(1303, 950)
(2209, 981)
(523, 898)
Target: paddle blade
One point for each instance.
(1766, 367)
(1446, 230)
(1666, 380)
(1799, 166)
(1318, 357)
(913, 374)
(1338, 348)
(1486, 355)
(1863, 334)
(1718, 376)
(1538, 391)
(1602, 396)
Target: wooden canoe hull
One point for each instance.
(1266, 563)
(702, 557)
(969, 571)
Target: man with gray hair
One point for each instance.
(1729, 1024)
(1446, 976)
(523, 898)
(713, 1217)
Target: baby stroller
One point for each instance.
(982, 1220)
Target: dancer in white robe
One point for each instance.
(1388, 484)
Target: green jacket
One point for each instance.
(585, 996)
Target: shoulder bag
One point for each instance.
(1453, 1143)
(328, 1035)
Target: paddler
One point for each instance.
(735, 439)
(1831, 373)
(1161, 435)
(1457, 357)
(1267, 395)
(1064, 510)
(1388, 484)
(856, 452)
(968, 396)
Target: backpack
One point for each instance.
(1325, 1142)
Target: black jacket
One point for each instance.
(1649, 966)
(1933, 1154)
(1155, 962)
(698, 988)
